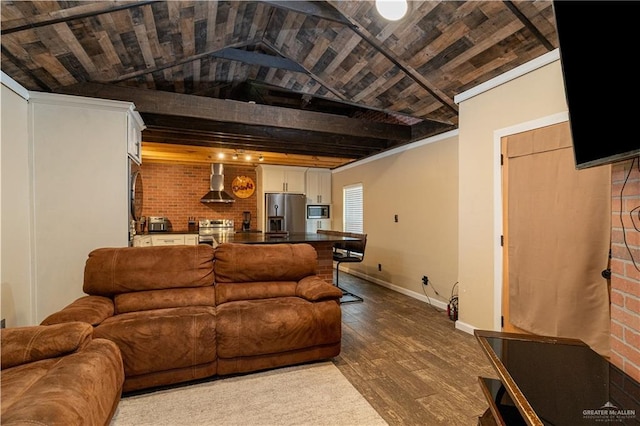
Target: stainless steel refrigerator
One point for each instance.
(290, 207)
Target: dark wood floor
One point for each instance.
(408, 360)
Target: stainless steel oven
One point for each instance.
(214, 231)
(318, 211)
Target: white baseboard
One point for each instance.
(429, 300)
(462, 326)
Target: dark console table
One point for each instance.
(554, 381)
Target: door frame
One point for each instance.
(497, 203)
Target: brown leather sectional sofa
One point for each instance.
(59, 375)
(179, 313)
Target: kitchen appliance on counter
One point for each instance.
(246, 221)
(285, 213)
(159, 224)
(214, 231)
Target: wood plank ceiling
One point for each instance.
(312, 83)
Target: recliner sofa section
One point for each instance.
(59, 375)
(180, 313)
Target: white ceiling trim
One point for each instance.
(398, 150)
(523, 69)
(14, 86)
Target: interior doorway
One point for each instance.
(556, 231)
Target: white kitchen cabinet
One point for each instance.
(142, 241)
(318, 186)
(314, 224)
(191, 239)
(79, 187)
(167, 240)
(282, 179)
(135, 126)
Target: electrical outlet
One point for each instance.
(379, 266)
(425, 280)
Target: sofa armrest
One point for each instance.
(89, 309)
(314, 288)
(22, 345)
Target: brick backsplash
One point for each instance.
(174, 191)
(625, 264)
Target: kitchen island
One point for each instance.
(323, 243)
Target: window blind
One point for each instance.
(352, 214)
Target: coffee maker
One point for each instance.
(246, 221)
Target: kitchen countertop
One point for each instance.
(262, 238)
(171, 233)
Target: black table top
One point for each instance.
(564, 381)
(266, 238)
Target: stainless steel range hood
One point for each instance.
(216, 192)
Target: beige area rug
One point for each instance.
(311, 394)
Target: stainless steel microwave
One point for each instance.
(318, 211)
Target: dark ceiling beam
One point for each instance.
(372, 41)
(166, 129)
(255, 58)
(166, 103)
(324, 84)
(311, 8)
(178, 62)
(527, 23)
(232, 141)
(426, 129)
(404, 67)
(85, 10)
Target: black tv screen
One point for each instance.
(599, 45)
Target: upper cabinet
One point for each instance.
(281, 179)
(135, 126)
(318, 186)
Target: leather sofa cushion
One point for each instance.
(90, 309)
(260, 327)
(229, 292)
(110, 271)
(167, 298)
(22, 345)
(82, 388)
(237, 263)
(162, 339)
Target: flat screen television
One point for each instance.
(598, 52)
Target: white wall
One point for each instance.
(16, 304)
(65, 192)
(80, 185)
(533, 96)
(419, 183)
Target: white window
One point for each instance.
(352, 197)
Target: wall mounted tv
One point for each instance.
(598, 52)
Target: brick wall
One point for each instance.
(174, 191)
(625, 279)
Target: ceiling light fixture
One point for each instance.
(235, 156)
(261, 158)
(392, 10)
(221, 155)
(247, 157)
